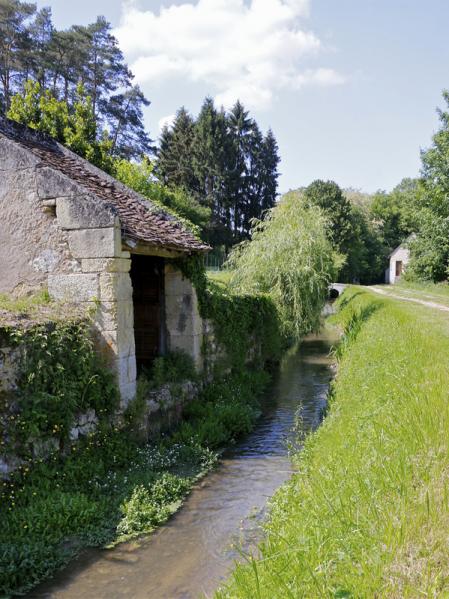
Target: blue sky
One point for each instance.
(349, 87)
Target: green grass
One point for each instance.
(25, 304)
(110, 488)
(367, 514)
(220, 276)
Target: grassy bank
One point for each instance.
(367, 514)
(110, 488)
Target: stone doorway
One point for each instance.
(147, 277)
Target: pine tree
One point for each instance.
(210, 148)
(14, 41)
(270, 161)
(125, 118)
(41, 33)
(175, 163)
(104, 70)
(238, 188)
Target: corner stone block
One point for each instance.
(95, 243)
(75, 287)
(117, 344)
(115, 287)
(111, 316)
(126, 370)
(52, 184)
(104, 265)
(84, 212)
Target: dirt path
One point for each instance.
(414, 300)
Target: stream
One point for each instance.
(193, 553)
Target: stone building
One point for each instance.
(71, 227)
(398, 260)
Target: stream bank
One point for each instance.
(195, 550)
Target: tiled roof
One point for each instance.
(140, 220)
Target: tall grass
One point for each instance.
(367, 514)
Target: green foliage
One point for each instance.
(60, 378)
(224, 161)
(76, 128)
(241, 321)
(291, 261)
(139, 176)
(367, 514)
(149, 507)
(90, 496)
(108, 487)
(394, 211)
(174, 367)
(24, 305)
(226, 410)
(328, 196)
(366, 255)
(430, 248)
(33, 49)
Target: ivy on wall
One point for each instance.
(240, 321)
(60, 377)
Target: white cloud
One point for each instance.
(166, 121)
(249, 50)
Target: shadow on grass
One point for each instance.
(353, 325)
(345, 300)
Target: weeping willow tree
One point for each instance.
(291, 259)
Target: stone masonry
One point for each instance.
(68, 226)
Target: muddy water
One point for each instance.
(193, 553)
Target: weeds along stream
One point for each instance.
(195, 551)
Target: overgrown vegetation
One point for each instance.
(60, 377)
(105, 487)
(289, 259)
(108, 487)
(367, 513)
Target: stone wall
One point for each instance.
(183, 321)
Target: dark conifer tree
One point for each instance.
(269, 162)
(175, 161)
(238, 188)
(14, 42)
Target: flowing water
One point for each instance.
(195, 550)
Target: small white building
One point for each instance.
(399, 258)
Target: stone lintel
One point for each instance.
(144, 249)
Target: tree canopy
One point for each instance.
(32, 49)
(225, 161)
